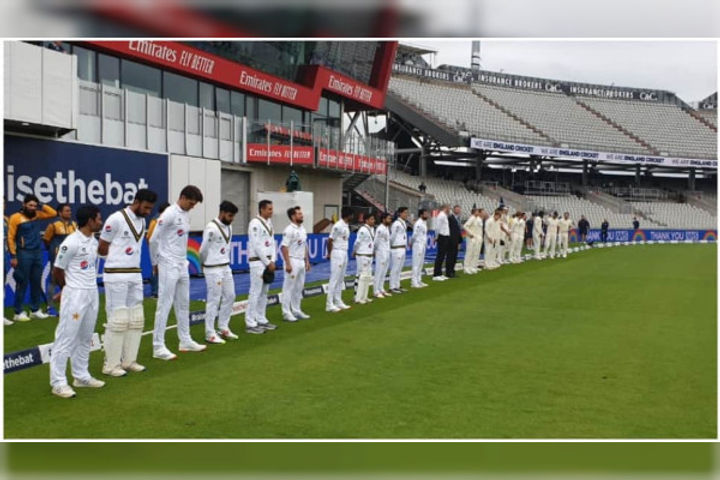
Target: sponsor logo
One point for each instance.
(84, 265)
(108, 228)
(129, 251)
(180, 232)
(313, 291)
(19, 360)
(222, 250)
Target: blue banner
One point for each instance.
(644, 235)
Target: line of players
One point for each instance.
(120, 242)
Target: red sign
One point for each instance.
(186, 59)
(280, 154)
(348, 161)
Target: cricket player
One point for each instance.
(518, 235)
(551, 235)
(398, 247)
(296, 257)
(55, 234)
(474, 229)
(564, 225)
(338, 255)
(121, 241)
(418, 246)
(493, 234)
(75, 272)
(506, 226)
(363, 254)
(263, 255)
(168, 254)
(215, 258)
(382, 255)
(148, 234)
(538, 234)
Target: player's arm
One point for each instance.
(307, 258)
(285, 252)
(11, 238)
(163, 223)
(46, 212)
(48, 235)
(107, 234)
(205, 245)
(65, 253)
(468, 225)
(333, 232)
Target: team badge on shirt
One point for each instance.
(108, 228)
(180, 232)
(129, 251)
(84, 265)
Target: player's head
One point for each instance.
(30, 205)
(541, 214)
(445, 208)
(227, 212)
(498, 213)
(457, 209)
(265, 209)
(163, 206)
(402, 212)
(346, 214)
(190, 195)
(64, 211)
(143, 202)
(386, 218)
(370, 220)
(480, 212)
(566, 215)
(555, 214)
(423, 213)
(88, 216)
(295, 214)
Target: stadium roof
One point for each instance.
(405, 48)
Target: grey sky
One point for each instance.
(688, 68)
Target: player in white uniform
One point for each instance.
(418, 246)
(474, 229)
(338, 242)
(296, 257)
(537, 234)
(506, 224)
(263, 255)
(75, 272)
(382, 255)
(121, 240)
(518, 236)
(168, 254)
(493, 234)
(363, 254)
(564, 225)
(398, 249)
(551, 235)
(219, 282)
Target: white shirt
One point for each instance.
(518, 227)
(442, 227)
(168, 243)
(295, 240)
(261, 242)
(564, 225)
(492, 229)
(340, 234)
(215, 248)
(398, 234)
(382, 239)
(365, 241)
(124, 231)
(552, 227)
(77, 256)
(419, 237)
(474, 227)
(537, 225)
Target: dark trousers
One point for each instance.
(443, 242)
(452, 255)
(28, 273)
(154, 285)
(603, 236)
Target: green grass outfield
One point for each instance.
(608, 343)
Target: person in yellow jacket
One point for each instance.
(55, 234)
(25, 245)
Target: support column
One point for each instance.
(585, 173)
(691, 180)
(479, 161)
(637, 175)
(422, 164)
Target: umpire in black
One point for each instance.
(455, 240)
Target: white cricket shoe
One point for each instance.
(215, 339)
(134, 367)
(21, 317)
(228, 334)
(191, 346)
(88, 383)
(39, 314)
(439, 279)
(302, 315)
(387, 294)
(8, 322)
(63, 391)
(379, 295)
(164, 354)
(423, 285)
(343, 306)
(114, 372)
(290, 318)
(332, 309)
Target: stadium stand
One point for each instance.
(677, 215)
(709, 115)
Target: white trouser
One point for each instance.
(173, 291)
(490, 254)
(418, 262)
(120, 295)
(472, 254)
(220, 297)
(537, 244)
(396, 264)
(382, 263)
(364, 276)
(550, 242)
(500, 248)
(563, 243)
(78, 314)
(338, 268)
(257, 297)
(516, 247)
(292, 288)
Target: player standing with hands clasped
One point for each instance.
(262, 252)
(398, 249)
(75, 273)
(297, 263)
(338, 242)
(419, 244)
(363, 253)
